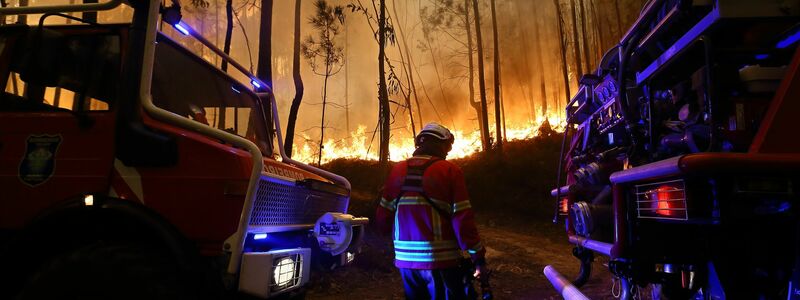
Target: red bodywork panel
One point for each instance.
(192, 194)
(778, 131)
(82, 160)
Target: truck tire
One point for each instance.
(110, 270)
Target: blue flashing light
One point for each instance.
(255, 84)
(788, 41)
(259, 236)
(235, 90)
(182, 28)
(762, 56)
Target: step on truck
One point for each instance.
(681, 160)
(131, 168)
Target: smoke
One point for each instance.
(530, 58)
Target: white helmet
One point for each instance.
(436, 131)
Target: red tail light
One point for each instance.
(564, 206)
(663, 200)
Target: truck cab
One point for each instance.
(121, 148)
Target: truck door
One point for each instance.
(56, 118)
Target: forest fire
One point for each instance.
(359, 145)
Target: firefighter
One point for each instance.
(426, 208)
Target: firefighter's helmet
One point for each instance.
(434, 130)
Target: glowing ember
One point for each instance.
(401, 146)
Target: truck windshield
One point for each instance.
(58, 69)
(190, 87)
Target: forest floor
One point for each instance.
(510, 196)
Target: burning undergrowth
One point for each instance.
(508, 187)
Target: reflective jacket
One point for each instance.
(423, 237)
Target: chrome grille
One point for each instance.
(662, 200)
(280, 202)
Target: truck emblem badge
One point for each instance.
(38, 162)
(329, 229)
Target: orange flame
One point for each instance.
(401, 145)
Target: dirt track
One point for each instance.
(516, 258)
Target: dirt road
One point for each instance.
(517, 257)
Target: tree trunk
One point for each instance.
(619, 19)
(540, 68)
(3, 17)
(475, 104)
(298, 83)
(562, 43)
(228, 33)
(264, 69)
(439, 80)
(526, 62)
(576, 45)
(600, 45)
(409, 76)
(22, 19)
(584, 37)
(322, 125)
(227, 49)
(383, 93)
(498, 116)
(484, 118)
(90, 16)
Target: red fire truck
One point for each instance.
(683, 164)
(131, 168)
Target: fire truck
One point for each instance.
(681, 160)
(131, 168)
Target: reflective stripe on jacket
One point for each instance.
(423, 238)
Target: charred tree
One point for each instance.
(264, 69)
(427, 34)
(3, 17)
(619, 19)
(383, 32)
(600, 45)
(90, 16)
(540, 69)
(298, 83)
(383, 93)
(526, 89)
(226, 47)
(406, 61)
(484, 117)
(575, 42)
(563, 49)
(498, 116)
(584, 37)
(475, 104)
(22, 18)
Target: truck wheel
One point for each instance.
(109, 270)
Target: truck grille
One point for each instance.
(662, 200)
(280, 202)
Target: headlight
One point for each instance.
(266, 274)
(284, 272)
